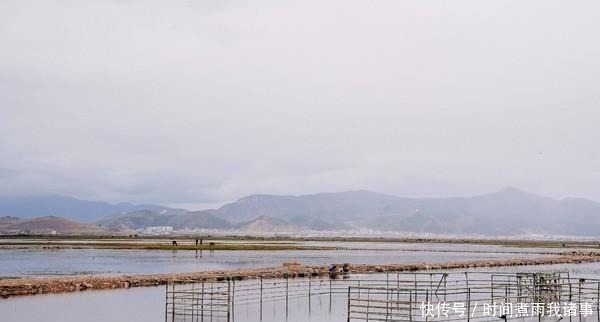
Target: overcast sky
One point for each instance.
(201, 102)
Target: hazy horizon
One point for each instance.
(204, 206)
(200, 103)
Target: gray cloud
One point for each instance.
(201, 102)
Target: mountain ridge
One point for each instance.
(504, 212)
(177, 218)
(48, 225)
(27, 207)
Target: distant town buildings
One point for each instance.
(158, 230)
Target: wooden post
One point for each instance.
(598, 303)
(426, 303)
(228, 301)
(492, 296)
(194, 307)
(519, 288)
(202, 304)
(579, 298)
(387, 280)
(184, 305)
(212, 295)
(445, 284)
(570, 292)
(387, 296)
(167, 301)
(309, 285)
(416, 287)
(233, 299)
(173, 303)
(368, 302)
(431, 283)
(348, 307)
(570, 298)
(410, 306)
(330, 293)
(261, 298)
(387, 304)
(468, 304)
(398, 292)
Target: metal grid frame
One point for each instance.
(378, 296)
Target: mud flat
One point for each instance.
(32, 286)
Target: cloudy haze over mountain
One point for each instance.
(506, 212)
(194, 104)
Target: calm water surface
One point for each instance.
(148, 304)
(41, 262)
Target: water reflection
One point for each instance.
(148, 304)
(26, 262)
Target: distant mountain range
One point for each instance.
(67, 207)
(177, 218)
(48, 225)
(509, 211)
(506, 212)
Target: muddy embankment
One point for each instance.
(32, 286)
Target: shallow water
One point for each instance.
(43, 262)
(148, 304)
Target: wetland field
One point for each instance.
(30, 260)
